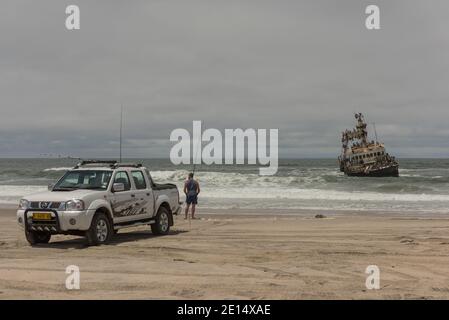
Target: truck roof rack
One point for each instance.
(121, 165)
(106, 163)
(84, 163)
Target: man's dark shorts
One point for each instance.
(192, 199)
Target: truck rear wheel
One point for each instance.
(35, 237)
(100, 231)
(162, 224)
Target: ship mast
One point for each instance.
(361, 132)
(375, 131)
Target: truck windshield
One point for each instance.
(84, 179)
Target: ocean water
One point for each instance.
(423, 185)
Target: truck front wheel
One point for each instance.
(100, 230)
(35, 237)
(162, 224)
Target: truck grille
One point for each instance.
(44, 205)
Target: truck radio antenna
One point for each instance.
(121, 127)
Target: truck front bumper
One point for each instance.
(60, 222)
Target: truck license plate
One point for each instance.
(41, 215)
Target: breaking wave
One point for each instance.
(423, 185)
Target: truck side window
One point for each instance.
(139, 180)
(122, 177)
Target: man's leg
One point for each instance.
(193, 210)
(187, 210)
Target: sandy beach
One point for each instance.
(250, 256)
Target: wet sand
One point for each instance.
(238, 257)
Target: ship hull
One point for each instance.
(389, 171)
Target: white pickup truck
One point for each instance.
(97, 198)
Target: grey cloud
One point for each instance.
(303, 67)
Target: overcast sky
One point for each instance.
(303, 67)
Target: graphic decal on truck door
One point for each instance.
(129, 208)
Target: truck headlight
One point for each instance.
(74, 205)
(23, 204)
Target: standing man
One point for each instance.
(191, 190)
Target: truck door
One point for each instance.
(143, 192)
(125, 204)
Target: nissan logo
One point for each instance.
(44, 205)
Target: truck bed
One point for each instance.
(163, 186)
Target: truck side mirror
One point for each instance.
(118, 187)
(50, 186)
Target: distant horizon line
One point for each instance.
(162, 158)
